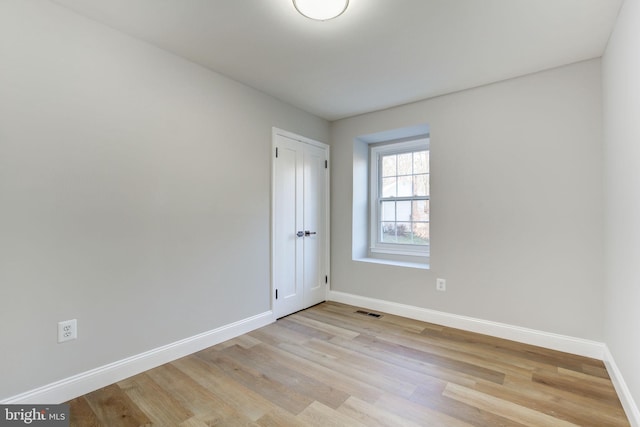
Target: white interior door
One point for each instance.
(300, 223)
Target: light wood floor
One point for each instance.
(329, 366)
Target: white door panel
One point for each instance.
(289, 219)
(314, 203)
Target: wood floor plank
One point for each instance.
(350, 370)
(604, 383)
(383, 346)
(305, 330)
(331, 330)
(503, 408)
(347, 383)
(194, 422)
(277, 335)
(578, 386)
(113, 408)
(245, 341)
(412, 369)
(205, 405)
(387, 376)
(439, 403)
(559, 403)
(261, 383)
(232, 393)
(373, 415)
(279, 418)
(330, 366)
(426, 415)
(596, 371)
(439, 347)
(156, 402)
(350, 320)
(458, 350)
(81, 414)
(536, 355)
(295, 381)
(319, 415)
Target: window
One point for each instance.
(399, 201)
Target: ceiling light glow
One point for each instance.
(321, 10)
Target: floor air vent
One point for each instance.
(368, 313)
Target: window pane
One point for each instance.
(421, 185)
(403, 232)
(405, 164)
(388, 234)
(405, 186)
(421, 162)
(389, 187)
(420, 233)
(403, 211)
(389, 165)
(388, 211)
(420, 210)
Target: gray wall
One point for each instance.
(134, 195)
(516, 203)
(621, 77)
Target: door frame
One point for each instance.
(327, 249)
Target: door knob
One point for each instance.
(300, 233)
(309, 233)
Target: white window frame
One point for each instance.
(376, 151)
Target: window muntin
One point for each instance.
(400, 198)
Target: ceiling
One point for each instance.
(378, 54)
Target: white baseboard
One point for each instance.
(552, 341)
(85, 382)
(629, 405)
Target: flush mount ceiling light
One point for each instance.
(321, 10)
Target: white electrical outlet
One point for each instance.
(441, 285)
(67, 330)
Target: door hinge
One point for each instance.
(326, 279)
(326, 164)
(276, 152)
(276, 294)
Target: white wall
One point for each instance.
(621, 88)
(134, 195)
(516, 203)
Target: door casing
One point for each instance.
(276, 134)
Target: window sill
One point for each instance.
(418, 265)
(383, 252)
